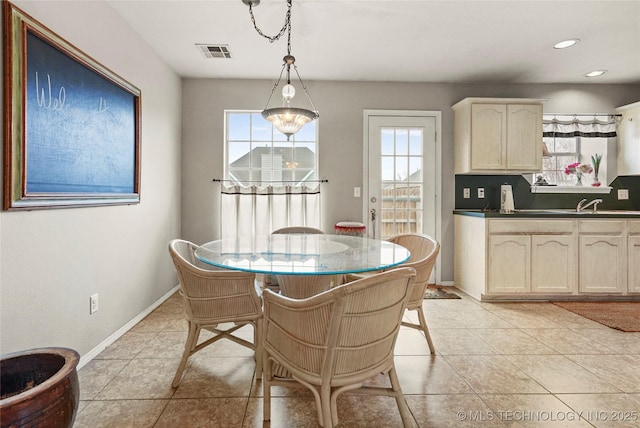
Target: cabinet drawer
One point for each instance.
(601, 227)
(634, 227)
(531, 227)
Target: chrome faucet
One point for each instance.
(583, 206)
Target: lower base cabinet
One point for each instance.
(538, 258)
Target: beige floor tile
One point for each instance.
(459, 341)
(142, 379)
(367, 411)
(443, 319)
(513, 341)
(299, 412)
(493, 374)
(566, 341)
(203, 413)
(411, 342)
(619, 341)
(622, 371)
(526, 319)
(120, 413)
(166, 344)
(96, 374)
(217, 377)
(128, 346)
(532, 410)
(442, 411)
(559, 375)
(429, 375)
(605, 410)
(294, 389)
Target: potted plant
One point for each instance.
(595, 159)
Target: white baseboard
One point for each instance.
(125, 328)
(447, 283)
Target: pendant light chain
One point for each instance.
(287, 24)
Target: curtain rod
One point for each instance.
(583, 114)
(220, 180)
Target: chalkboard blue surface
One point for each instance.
(80, 128)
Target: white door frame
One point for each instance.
(438, 170)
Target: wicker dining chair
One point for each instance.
(334, 341)
(303, 286)
(298, 229)
(424, 252)
(212, 297)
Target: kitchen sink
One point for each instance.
(574, 212)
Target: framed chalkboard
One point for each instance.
(72, 127)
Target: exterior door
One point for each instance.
(401, 175)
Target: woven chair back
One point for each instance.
(213, 295)
(424, 252)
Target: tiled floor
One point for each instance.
(529, 364)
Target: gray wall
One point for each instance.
(51, 261)
(341, 106)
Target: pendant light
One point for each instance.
(287, 119)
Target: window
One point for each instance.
(569, 140)
(562, 152)
(258, 154)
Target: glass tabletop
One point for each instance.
(303, 254)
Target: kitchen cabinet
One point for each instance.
(499, 257)
(498, 135)
(633, 257)
(515, 257)
(603, 256)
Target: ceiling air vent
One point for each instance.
(214, 51)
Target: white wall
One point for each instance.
(51, 261)
(341, 106)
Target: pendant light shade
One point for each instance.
(288, 120)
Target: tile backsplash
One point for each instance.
(524, 199)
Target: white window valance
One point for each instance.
(597, 126)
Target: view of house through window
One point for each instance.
(258, 154)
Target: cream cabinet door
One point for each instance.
(524, 137)
(488, 136)
(633, 257)
(509, 264)
(553, 264)
(603, 264)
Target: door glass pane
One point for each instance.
(401, 174)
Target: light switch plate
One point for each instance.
(623, 194)
(356, 192)
(466, 193)
(480, 192)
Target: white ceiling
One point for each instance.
(505, 41)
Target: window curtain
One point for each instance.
(253, 210)
(597, 126)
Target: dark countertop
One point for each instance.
(550, 213)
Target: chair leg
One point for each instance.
(425, 329)
(403, 408)
(325, 403)
(192, 339)
(257, 341)
(266, 388)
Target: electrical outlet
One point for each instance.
(93, 304)
(623, 194)
(466, 193)
(356, 192)
(480, 192)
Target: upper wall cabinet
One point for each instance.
(498, 135)
(629, 139)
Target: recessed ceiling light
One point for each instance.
(565, 43)
(595, 73)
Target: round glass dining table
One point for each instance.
(302, 254)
